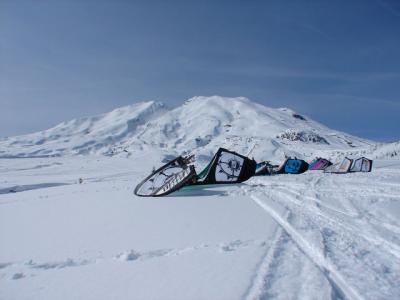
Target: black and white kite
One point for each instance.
(225, 167)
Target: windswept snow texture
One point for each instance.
(201, 125)
(308, 236)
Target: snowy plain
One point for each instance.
(308, 236)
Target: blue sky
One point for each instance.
(335, 61)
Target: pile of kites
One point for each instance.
(229, 167)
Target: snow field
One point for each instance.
(309, 236)
(96, 240)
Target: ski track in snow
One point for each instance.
(312, 253)
(344, 254)
(378, 241)
(260, 282)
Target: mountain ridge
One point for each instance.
(200, 125)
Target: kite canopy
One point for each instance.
(341, 167)
(319, 164)
(227, 167)
(166, 179)
(293, 166)
(361, 165)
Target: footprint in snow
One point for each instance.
(17, 276)
(235, 245)
(128, 255)
(158, 253)
(5, 265)
(57, 265)
(232, 246)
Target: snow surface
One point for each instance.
(308, 236)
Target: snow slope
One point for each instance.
(310, 236)
(203, 124)
(85, 135)
(200, 125)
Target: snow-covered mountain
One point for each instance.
(200, 125)
(95, 134)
